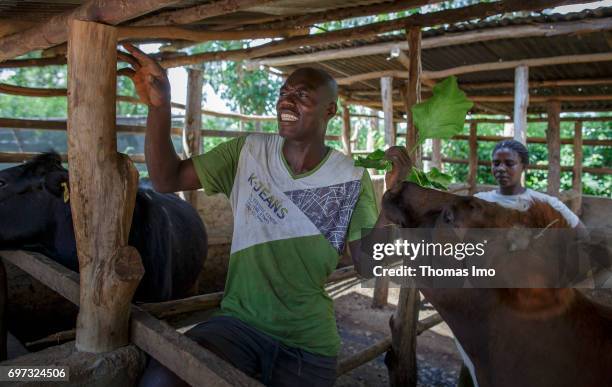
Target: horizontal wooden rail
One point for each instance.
(354, 361)
(14, 157)
(534, 140)
(192, 362)
(593, 170)
(14, 123)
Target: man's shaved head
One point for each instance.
(306, 102)
(320, 78)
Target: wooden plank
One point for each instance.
(346, 130)
(197, 36)
(192, 362)
(413, 94)
(576, 204)
(386, 89)
(521, 103)
(365, 31)
(54, 31)
(553, 139)
(401, 358)
(192, 134)
(103, 186)
(166, 309)
(473, 159)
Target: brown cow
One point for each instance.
(514, 337)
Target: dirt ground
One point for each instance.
(360, 326)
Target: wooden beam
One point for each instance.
(309, 19)
(190, 361)
(489, 66)
(412, 95)
(103, 186)
(199, 12)
(9, 26)
(362, 32)
(386, 89)
(33, 62)
(553, 139)
(521, 103)
(445, 40)
(192, 134)
(532, 62)
(576, 204)
(401, 357)
(538, 84)
(436, 153)
(346, 130)
(54, 31)
(473, 159)
(175, 33)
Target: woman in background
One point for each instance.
(509, 160)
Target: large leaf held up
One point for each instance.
(442, 115)
(375, 160)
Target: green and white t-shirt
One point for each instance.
(289, 231)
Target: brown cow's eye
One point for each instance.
(2, 183)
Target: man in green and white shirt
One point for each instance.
(296, 205)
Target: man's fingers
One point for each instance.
(126, 72)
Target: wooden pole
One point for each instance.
(473, 159)
(521, 102)
(436, 153)
(386, 92)
(346, 130)
(553, 139)
(103, 186)
(192, 133)
(381, 285)
(413, 94)
(576, 205)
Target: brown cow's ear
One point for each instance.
(538, 303)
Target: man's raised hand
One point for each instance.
(401, 165)
(149, 77)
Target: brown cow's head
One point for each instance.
(412, 206)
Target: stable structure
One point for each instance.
(510, 66)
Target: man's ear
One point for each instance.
(56, 183)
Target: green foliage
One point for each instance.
(442, 115)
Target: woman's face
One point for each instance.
(507, 167)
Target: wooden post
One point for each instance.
(192, 133)
(553, 140)
(576, 205)
(381, 286)
(103, 186)
(473, 158)
(412, 95)
(374, 127)
(386, 90)
(401, 358)
(436, 153)
(346, 130)
(521, 102)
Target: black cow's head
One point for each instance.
(30, 197)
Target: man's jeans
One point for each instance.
(254, 353)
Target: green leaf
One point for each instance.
(374, 160)
(442, 115)
(435, 175)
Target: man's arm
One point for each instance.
(401, 167)
(167, 171)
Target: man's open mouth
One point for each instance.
(290, 117)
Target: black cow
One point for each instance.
(166, 230)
